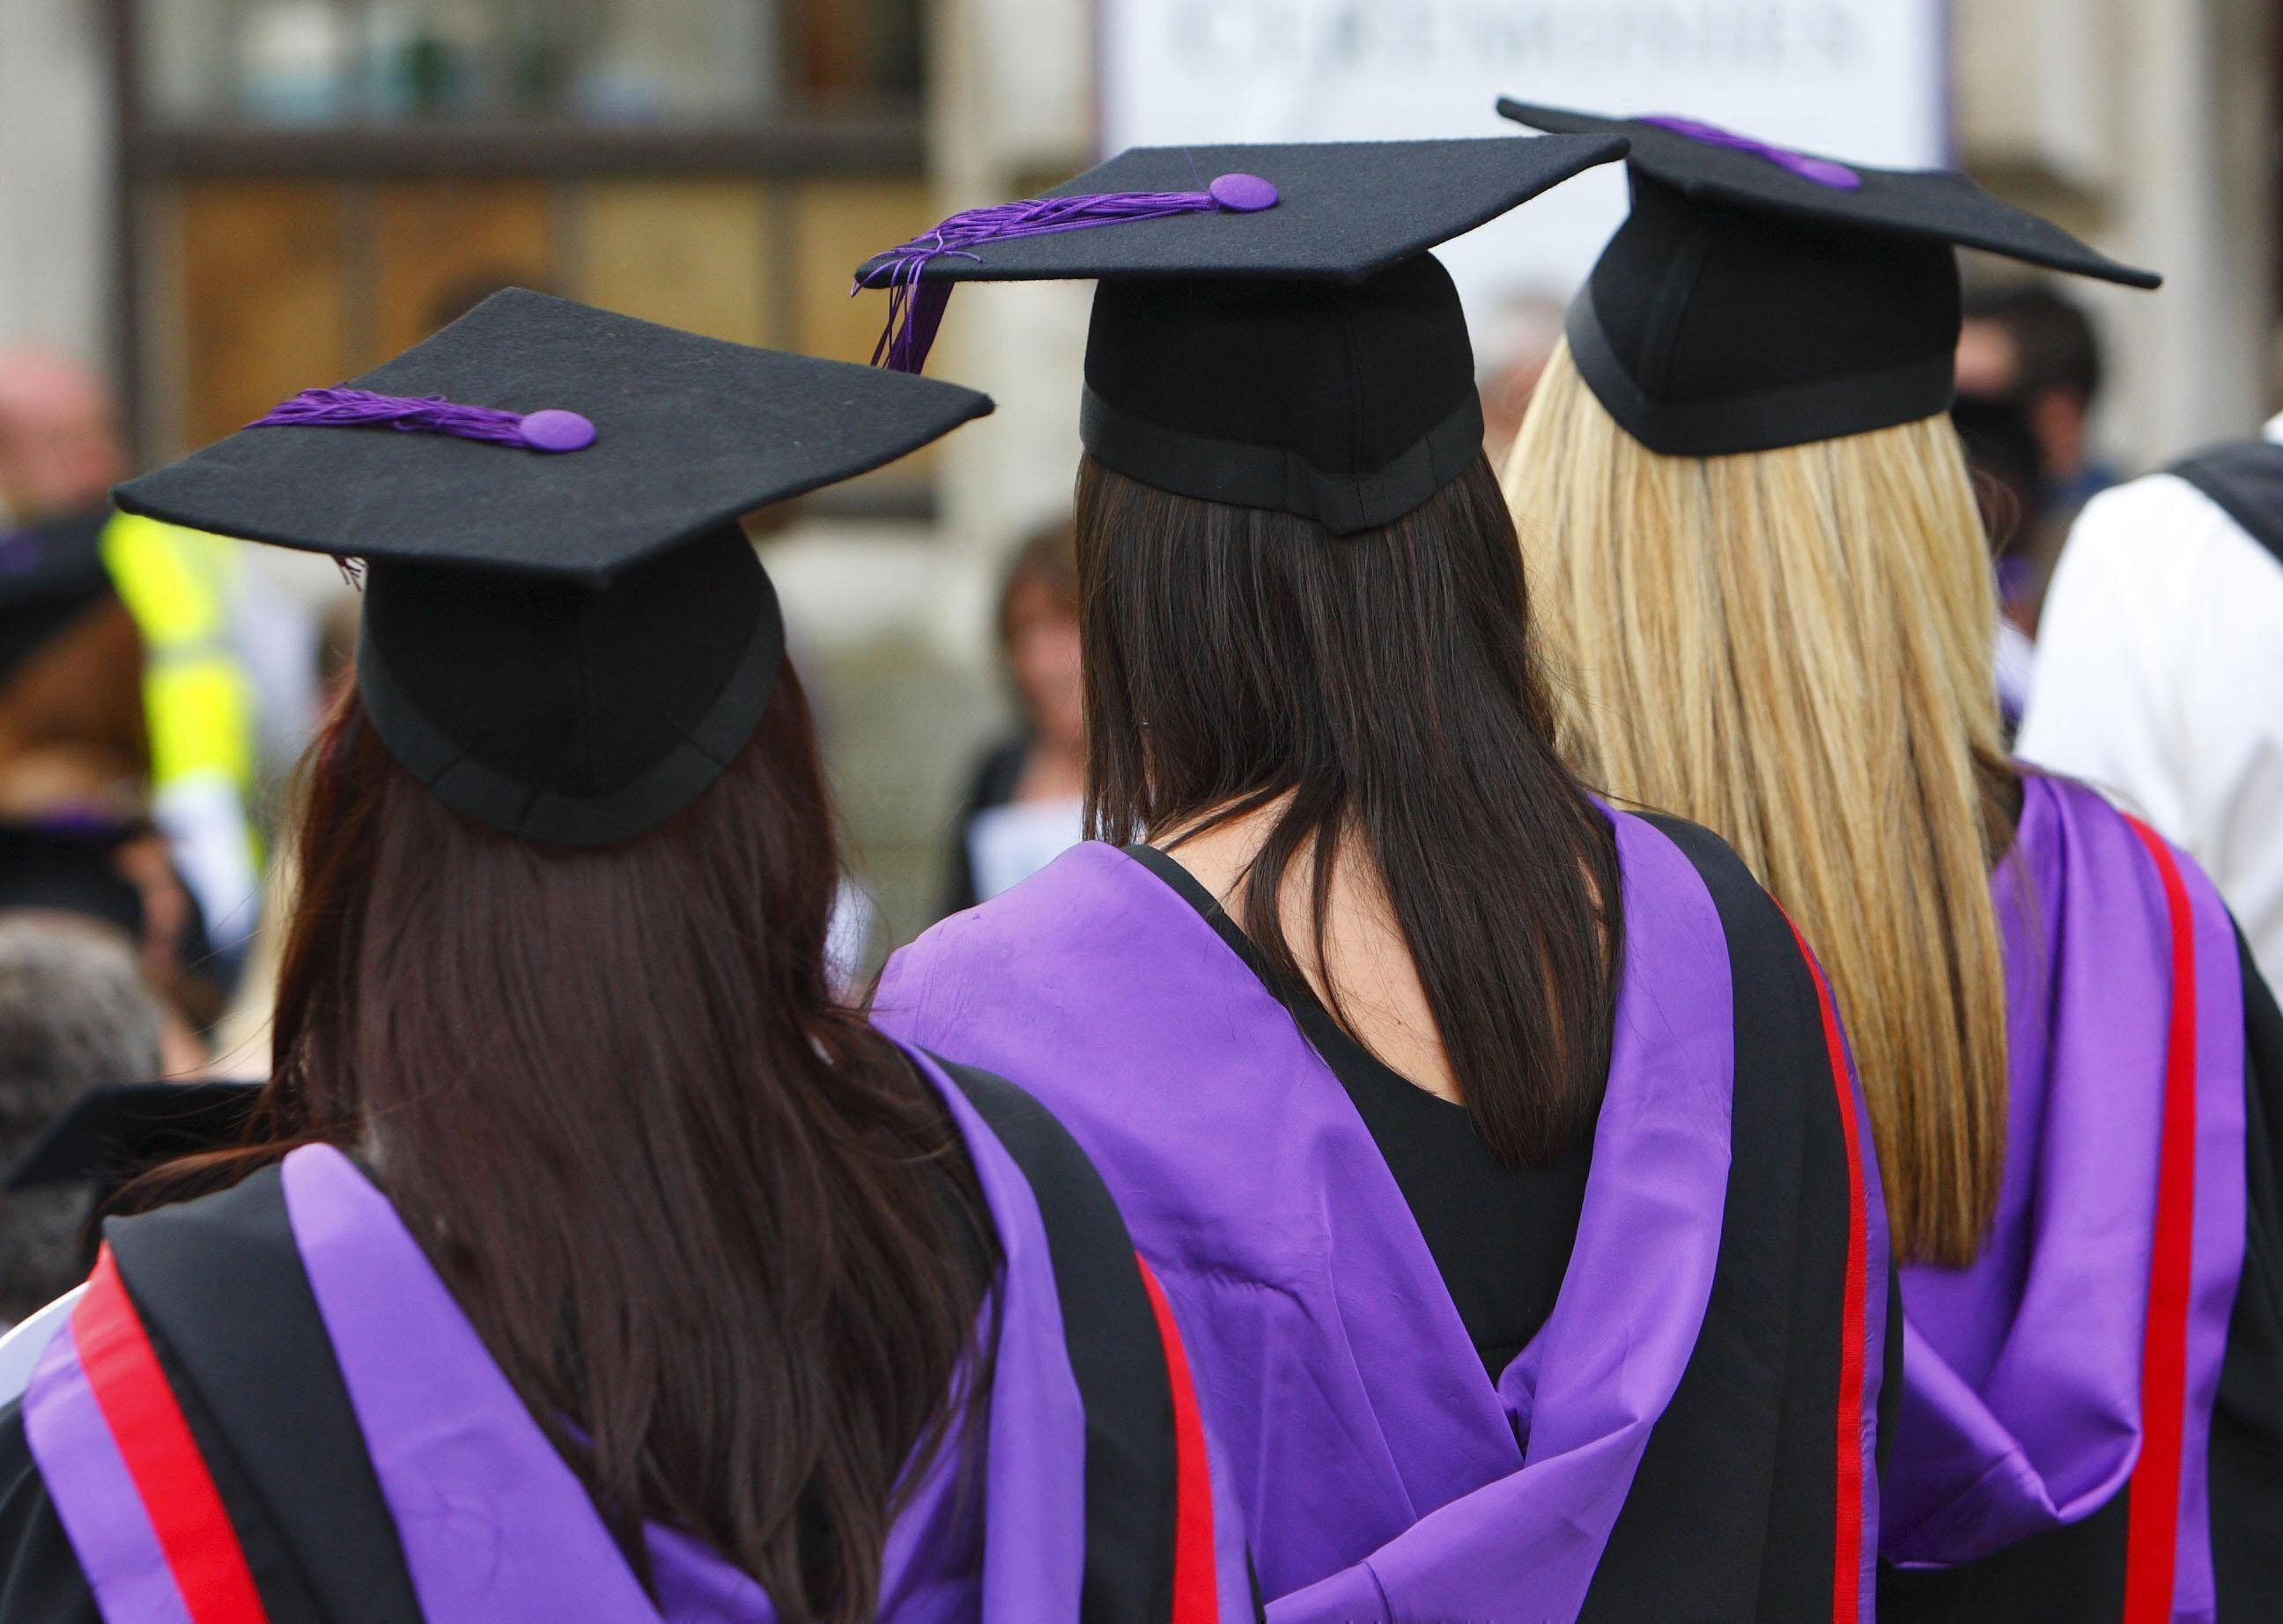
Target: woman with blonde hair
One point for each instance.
(1758, 556)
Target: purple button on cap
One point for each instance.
(553, 430)
(1244, 193)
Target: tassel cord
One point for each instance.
(915, 307)
(342, 407)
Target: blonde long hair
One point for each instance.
(1792, 647)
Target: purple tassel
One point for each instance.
(916, 308)
(342, 407)
(1821, 171)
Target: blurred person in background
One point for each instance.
(1755, 548)
(74, 1013)
(109, 872)
(60, 447)
(1025, 805)
(71, 664)
(2007, 464)
(2029, 371)
(74, 768)
(2034, 343)
(603, 1264)
(2160, 666)
(229, 659)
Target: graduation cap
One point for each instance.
(566, 635)
(50, 574)
(70, 867)
(1270, 330)
(115, 1132)
(1757, 297)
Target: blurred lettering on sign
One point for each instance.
(1866, 79)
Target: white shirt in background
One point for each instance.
(1007, 843)
(2160, 679)
(2016, 663)
(21, 1348)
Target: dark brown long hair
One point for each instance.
(1386, 683)
(719, 1233)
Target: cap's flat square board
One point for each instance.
(1939, 205)
(690, 432)
(1346, 210)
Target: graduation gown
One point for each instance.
(268, 1406)
(2091, 1419)
(1681, 1427)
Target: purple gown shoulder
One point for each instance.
(413, 1483)
(1657, 1437)
(2086, 1413)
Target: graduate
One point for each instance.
(586, 1260)
(71, 659)
(1756, 550)
(1497, 1151)
(77, 831)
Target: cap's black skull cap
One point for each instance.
(1350, 405)
(567, 713)
(1308, 357)
(1757, 298)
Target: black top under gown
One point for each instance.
(1500, 1237)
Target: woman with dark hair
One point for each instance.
(1025, 806)
(1497, 1150)
(591, 1262)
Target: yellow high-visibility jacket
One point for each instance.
(200, 704)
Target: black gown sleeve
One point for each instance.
(2246, 1444)
(1736, 1504)
(39, 1577)
(2077, 1572)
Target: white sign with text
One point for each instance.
(1860, 78)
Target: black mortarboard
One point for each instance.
(1270, 330)
(1757, 297)
(116, 1130)
(565, 636)
(50, 574)
(70, 868)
